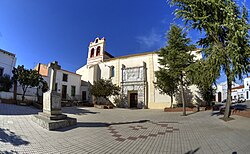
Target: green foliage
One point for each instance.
(176, 55)
(166, 83)
(174, 60)
(104, 88)
(5, 83)
(207, 94)
(226, 41)
(188, 97)
(28, 78)
(199, 75)
(120, 101)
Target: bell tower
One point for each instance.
(96, 51)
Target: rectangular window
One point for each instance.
(111, 71)
(65, 77)
(1, 71)
(73, 90)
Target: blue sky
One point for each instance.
(48, 30)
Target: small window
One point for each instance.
(247, 94)
(1, 71)
(98, 50)
(65, 77)
(92, 53)
(111, 71)
(96, 41)
(73, 91)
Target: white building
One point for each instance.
(247, 88)
(67, 83)
(221, 91)
(7, 62)
(135, 74)
(238, 92)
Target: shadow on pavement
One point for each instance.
(12, 109)
(192, 151)
(77, 111)
(8, 136)
(190, 113)
(216, 113)
(99, 124)
(9, 152)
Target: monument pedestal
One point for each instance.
(49, 124)
(52, 118)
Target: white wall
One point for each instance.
(222, 87)
(155, 99)
(238, 93)
(9, 95)
(7, 61)
(73, 80)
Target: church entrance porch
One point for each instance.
(134, 86)
(133, 100)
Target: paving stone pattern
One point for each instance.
(123, 131)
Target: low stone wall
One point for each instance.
(178, 109)
(9, 96)
(103, 106)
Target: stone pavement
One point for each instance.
(123, 131)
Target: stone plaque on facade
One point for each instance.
(133, 74)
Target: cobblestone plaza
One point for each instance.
(123, 131)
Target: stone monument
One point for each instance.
(52, 118)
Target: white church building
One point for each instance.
(135, 74)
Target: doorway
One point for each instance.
(84, 96)
(64, 91)
(133, 97)
(219, 96)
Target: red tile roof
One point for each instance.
(239, 87)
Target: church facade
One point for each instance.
(135, 74)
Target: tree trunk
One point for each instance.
(171, 101)
(24, 91)
(15, 90)
(37, 94)
(182, 98)
(229, 101)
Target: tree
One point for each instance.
(104, 88)
(42, 85)
(199, 75)
(166, 83)
(5, 83)
(226, 41)
(188, 95)
(27, 78)
(176, 57)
